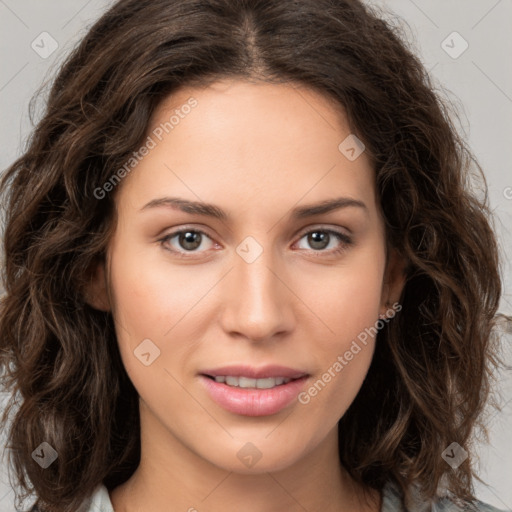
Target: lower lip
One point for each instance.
(250, 401)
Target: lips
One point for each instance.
(250, 401)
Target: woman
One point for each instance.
(244, 271)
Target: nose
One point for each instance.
(258, 305)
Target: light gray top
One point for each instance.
(391, 502)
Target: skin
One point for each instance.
(257, 151)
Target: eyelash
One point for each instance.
(345, 240)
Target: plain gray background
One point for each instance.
(478, 80)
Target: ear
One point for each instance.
(394, 281)
(96, 291)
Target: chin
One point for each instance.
(252, 458)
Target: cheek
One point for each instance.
(348, 305)
(150, 295)
(344, 356)
(157, 301)
(150, 309)
(347, 298)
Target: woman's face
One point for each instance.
(259, 286)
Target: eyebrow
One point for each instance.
(210, 210)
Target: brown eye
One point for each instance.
(320, 239)
(184, 241)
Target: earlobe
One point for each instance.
(395, 278)
(96, 292)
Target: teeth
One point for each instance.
(246, 382)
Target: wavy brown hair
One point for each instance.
(430, 376)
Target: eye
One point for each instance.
(187, 241)
(320, 239)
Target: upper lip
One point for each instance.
(262, 372)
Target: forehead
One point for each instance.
(276, 143)
(280, 113)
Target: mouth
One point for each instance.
(253, 394)
(251, 383)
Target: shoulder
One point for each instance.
(98, 502)
(484, 507)
(447, 505)
(392, 502)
